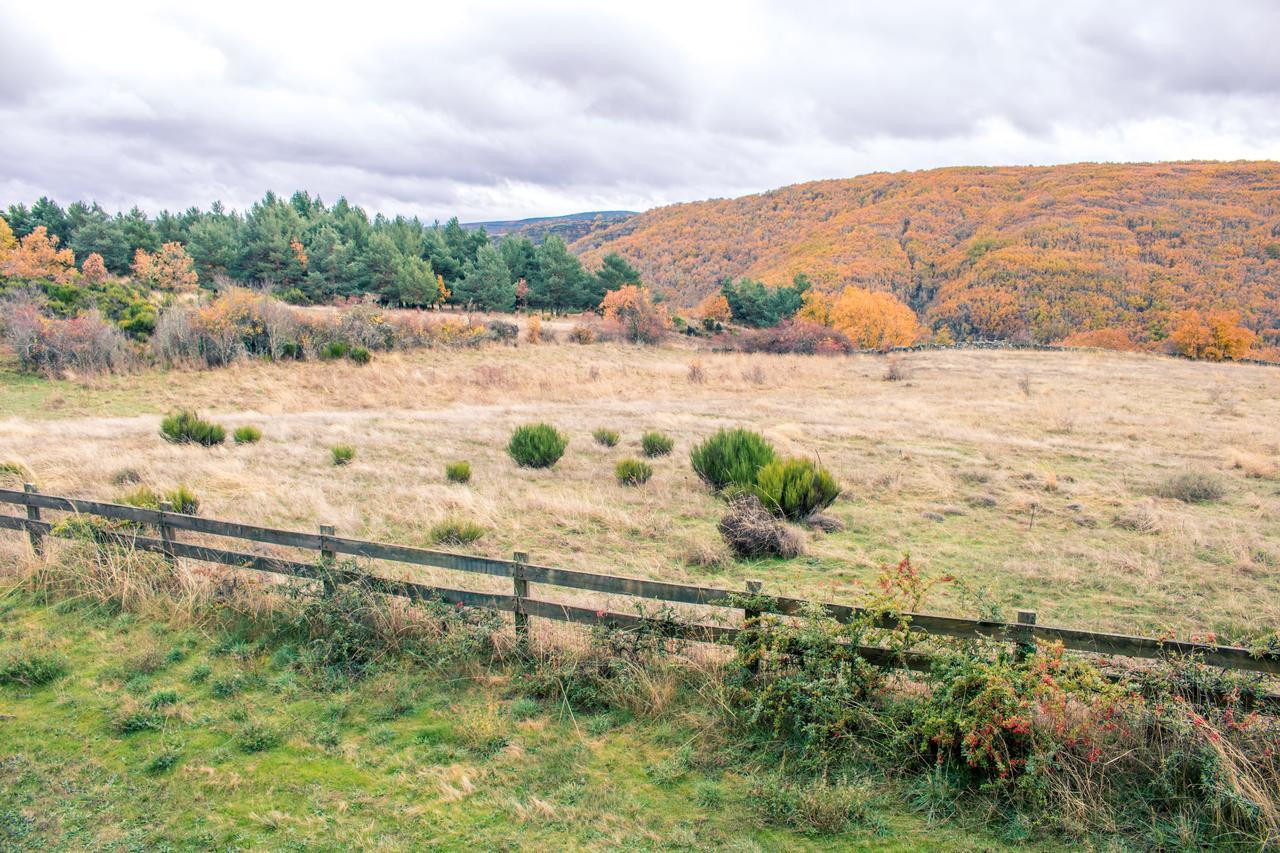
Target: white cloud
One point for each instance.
(487, 110)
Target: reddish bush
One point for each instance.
(54, 346)
(796, 336)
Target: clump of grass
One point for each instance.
(31, 668)
(186, 427)
(126, 477)
(750, 530)
(162, 762)
(818, 807)
(334, 350)
(162, 699)
(13, 471)
(795, 489)
(656, 444)
(181, 498)
(247, 435)
(133, 719)
(731, 457)
(458, 472)
(456, 531)
(606, 437)
(254, 736)
(342, 454)
(633, 472)
(537, 445)
(360, 355)
(1193, 487)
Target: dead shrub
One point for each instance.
(750, 530)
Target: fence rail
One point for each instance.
(523, 573)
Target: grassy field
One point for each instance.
(1034, 478)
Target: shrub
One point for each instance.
(185, 427)
(750, 530)
(247, 435)
(360, 355)
(795, 488)
(656, 444)
(456, 531)
(334, 350)
(52, 346)
(731, 457)
(606, 437)
(633, 472)
(31, 668)
(537, 446)
(816, 806)
(581, 334)
(182, 499)
(804, 337)
(501, 330)
(1192, 487)
(632, 313)
(256, 737)
(342, 454)
(458, 472)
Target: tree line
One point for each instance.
(309, 252)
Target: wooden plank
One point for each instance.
(617, 584)
(421, 556)
(591, 616)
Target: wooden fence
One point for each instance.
(522, 602)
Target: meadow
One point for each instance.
(1040, 480)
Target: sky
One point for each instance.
(505, 110)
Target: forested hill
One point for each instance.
(1035, 252)
(570, 227)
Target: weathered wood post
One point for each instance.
(750, 617)
(33, 514)
(520, 589)
(1025, 637)
(167, 534)
(327, 558)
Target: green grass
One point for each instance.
(407, 758)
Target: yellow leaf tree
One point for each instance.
(872, 319)
(171, 268)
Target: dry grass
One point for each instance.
(1098, 432)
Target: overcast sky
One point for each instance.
(492, 110)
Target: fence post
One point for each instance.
(33, 514)
(751, 616)
(520, 589)
(327, 558)
(166, 533)
(1023, 635)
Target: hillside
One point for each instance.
(1017, 252)
(570, 227)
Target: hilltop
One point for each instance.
(569, 227)
(1013, 252)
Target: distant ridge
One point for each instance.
(570, 227)
(1010, 253)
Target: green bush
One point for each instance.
(360, 355)
(606, 437)
(633, 472)
(795, 489)
(256, 737)
(1193, 487)
(184, 427)
(342, 454)
(731, 457)
(537, 446)
(656, 444)
(458, 472)
(334, 350)
(247, 435)
(31, 668)
(456, 531)
(182, 499)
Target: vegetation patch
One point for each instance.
(247, 435)
(633, 472)
(656, 444)
(537, 445)
(606, 437)
(1193, 487)
(456, 531)
(795, 489)
(185, 427)
(458, 472)
(750, 530)
(342, 454)
(731, 457)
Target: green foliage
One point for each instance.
(32, 667)
(186, 427)
(342, 454)
(247, 435)
(360, 355)
(488, 283)
(134, 719)
(731, 457)
(656, 444)
(456, 531)
(182, 499)
(256, 736)
(606, 437)
(1192, 487)
(755, 304)
(334, 350)
(795, 489)
(813, 806)
(14, 471)
(162, 699)
(633, 472)
(458, 472)
(537, 445)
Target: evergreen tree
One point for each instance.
(561, 282)
(488, 283)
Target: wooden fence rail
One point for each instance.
(1025, 632)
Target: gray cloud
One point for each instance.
(488, 111)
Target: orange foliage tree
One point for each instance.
(1216, 336)
(93, 269)
(7, 241)
(37, 256)
(872, 319)
(1111, 338)
(713, 307)
(171, 268)
(631, 311)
